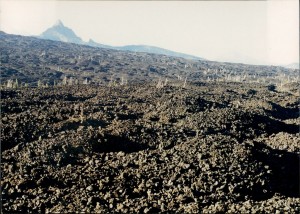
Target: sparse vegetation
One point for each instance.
(60, 64)
(184, 136)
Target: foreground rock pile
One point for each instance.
(210, 147)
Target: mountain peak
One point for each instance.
(59, 23)
(59, 32)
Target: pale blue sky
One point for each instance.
(255, 32)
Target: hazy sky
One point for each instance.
(257, 32)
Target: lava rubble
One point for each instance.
(209, 147)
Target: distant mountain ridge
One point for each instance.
(157, 50)
(59, 32)
(292, 66)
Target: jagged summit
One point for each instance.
(59, 32)
(59, 23)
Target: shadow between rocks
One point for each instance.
(275, 126)
(283, 113)
(113, 143)
(200, 104)
(8, 93)
(284, 167)
(263, 124)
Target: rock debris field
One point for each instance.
(210, 147)
(31, 60)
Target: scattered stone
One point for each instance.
(220, 159)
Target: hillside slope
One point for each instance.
(29, 60)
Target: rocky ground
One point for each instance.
(210, 147)
(31, 60)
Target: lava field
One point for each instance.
(208, 147)
(31, 60)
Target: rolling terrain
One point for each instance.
(87, 129)
(29, 60)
